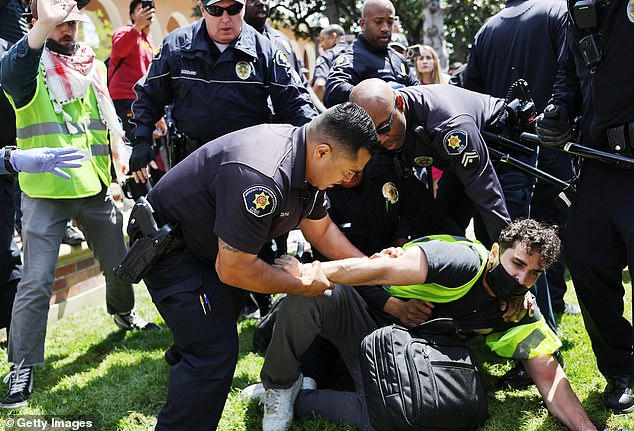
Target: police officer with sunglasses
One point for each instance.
(219, 74)
(440, 125)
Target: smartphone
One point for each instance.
(147, 4)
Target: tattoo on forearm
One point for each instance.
(231, 249)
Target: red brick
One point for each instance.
(83, 264)
(59, 284)
(65, 269)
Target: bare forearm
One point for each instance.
(261, 277)
(356, 271)
(560, 399)
(326, 237)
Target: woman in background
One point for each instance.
(427, 65)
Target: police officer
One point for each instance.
(369, 56)
(330, 40)
(441, 125)
(598, 235)
(237, 199)
(219, 74)
(381, 207)
(255, 15)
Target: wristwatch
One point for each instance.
(7, 159)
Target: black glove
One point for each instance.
(142, 154)
(553, 127)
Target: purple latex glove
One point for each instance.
(37, 160)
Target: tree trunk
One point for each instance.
(433, 29)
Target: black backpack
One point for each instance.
(421, 379)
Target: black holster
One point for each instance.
(147, 243)
(181, 146)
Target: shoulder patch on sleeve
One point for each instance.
(319, 61)
(341, 60)
(259, 200)
(281, 59)
(455, 142)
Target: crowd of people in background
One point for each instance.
(235, 145)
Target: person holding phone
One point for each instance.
(132, 52)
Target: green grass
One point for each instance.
(118, 380)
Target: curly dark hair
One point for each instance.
(533, 236)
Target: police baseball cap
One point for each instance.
(213, 2)
(74, 15)
(398, 41)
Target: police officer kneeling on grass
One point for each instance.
(228, 199)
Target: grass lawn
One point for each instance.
(118, 380)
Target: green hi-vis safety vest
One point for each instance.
(38, 125)
(435, 292)
(524, 341)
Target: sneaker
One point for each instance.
(20, 381)
(131, 320)
(618, 394)
(572, 309)
(309, 384)
(73, 236)
(172, 356)
(278, 407)
(255, 391)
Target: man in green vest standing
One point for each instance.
(59, 94)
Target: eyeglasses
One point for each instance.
(386, 127)
(232, 10)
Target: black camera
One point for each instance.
(413, 51)
(147, 4)
(591, 50)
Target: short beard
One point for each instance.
(61, 49)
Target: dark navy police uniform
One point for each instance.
(453, 118)
(324, 61)
(362, 61)
(599, 234)
(232, 189)
(215, 93)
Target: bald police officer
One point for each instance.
(440, 125)
(369, 56)
(238, 198)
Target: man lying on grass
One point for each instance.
(462, 278)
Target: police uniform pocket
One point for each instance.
(198, 316)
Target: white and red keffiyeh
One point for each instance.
(68, 78)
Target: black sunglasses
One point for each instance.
(234, 9)
(386, 127)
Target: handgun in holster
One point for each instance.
(148, 243)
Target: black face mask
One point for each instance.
(503, 285)
(60, 49)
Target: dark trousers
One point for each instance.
(123, 107)
(10, 263)
(205, 336)
(599, 243)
